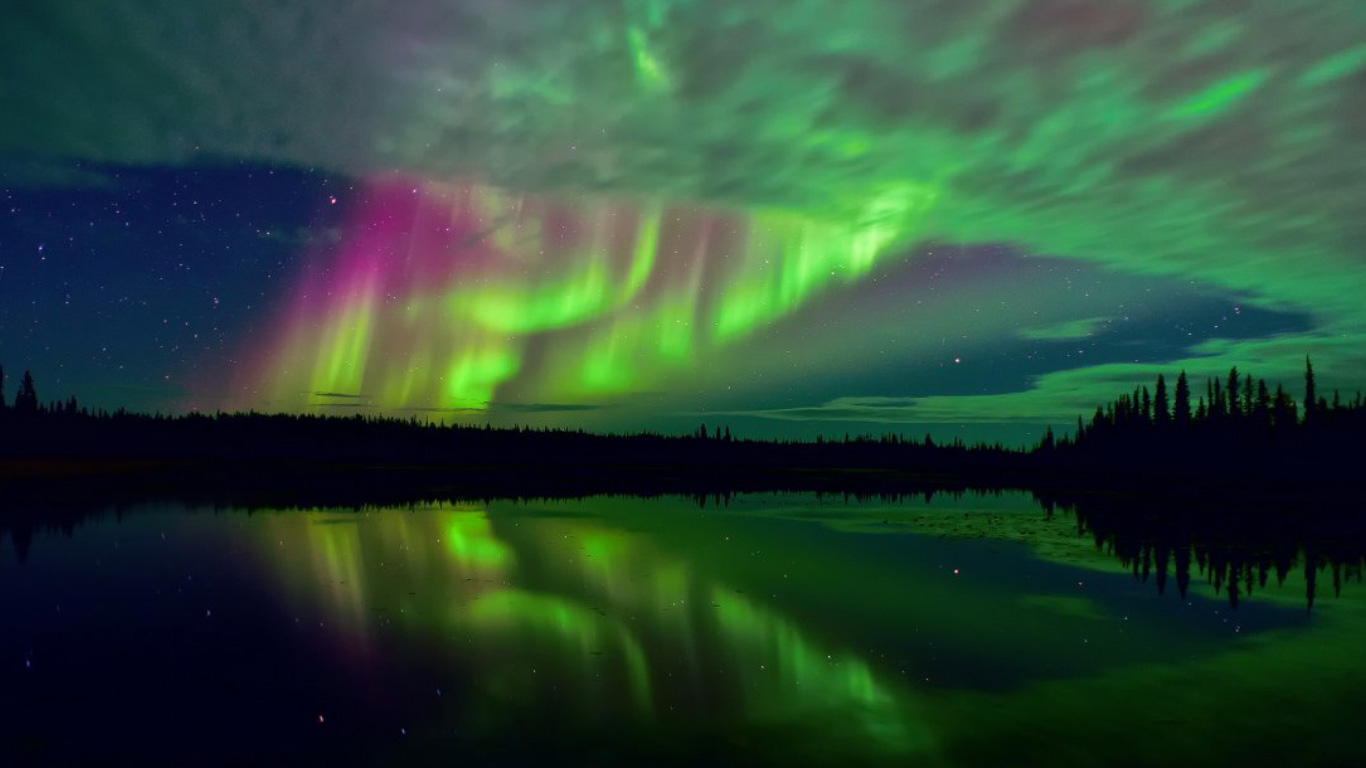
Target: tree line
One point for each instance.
(1238, 403)
(1234, 426)
(1230, 426)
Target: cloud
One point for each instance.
(902, 410)
(1060, 397)
(23, 172)
(304, 236)
(1067, 329)
(545, 407)
(1168, 139)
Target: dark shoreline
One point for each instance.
(323, 483)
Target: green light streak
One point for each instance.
(1336, 66)
(1221, 96)
(473, 377)
(812, 255)
(341, 367)
(648, 67)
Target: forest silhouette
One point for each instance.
(1235, 482)
(1236, 430)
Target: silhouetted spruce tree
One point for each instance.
(1283, 412)
(26, 399)
(1201, 414)
(1247, 395)
(1162, 413)
(1234, 409)
(1311, 405)
(1147, 406)
(1182, 409)
(1262, 409)
(2, 388)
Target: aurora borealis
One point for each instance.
(972, 217)
(444, 297)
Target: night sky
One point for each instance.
(963, 217)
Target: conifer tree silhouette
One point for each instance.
(1234, 409)
(1263, 406)
(1182, 414)
(1311, 405)
(1283, 414)
(26, 399)
(1163, 413)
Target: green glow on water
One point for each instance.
(968, 631)
(721, 617)
(594, 609)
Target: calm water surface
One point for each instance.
(776, 630)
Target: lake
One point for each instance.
(958, 630)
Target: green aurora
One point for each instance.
(1183, 142)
